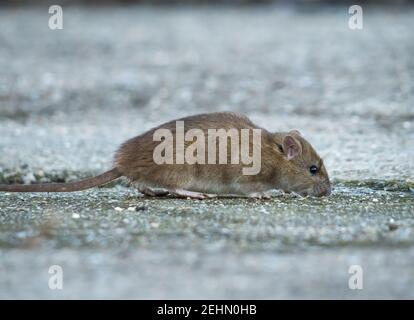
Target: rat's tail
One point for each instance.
(64, 187)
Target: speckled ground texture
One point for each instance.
(68, 98)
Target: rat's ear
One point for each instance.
(291, 147)
(297, 132)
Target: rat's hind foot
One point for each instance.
(153, 192)
(180, 193)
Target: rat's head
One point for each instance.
(304, 171)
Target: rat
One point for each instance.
(288, 163)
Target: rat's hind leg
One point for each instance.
(180, 193)
(153, 192)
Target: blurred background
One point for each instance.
(69, 97)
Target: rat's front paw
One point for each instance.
(272, 193)
(259, 195)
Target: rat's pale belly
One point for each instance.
(217, 187)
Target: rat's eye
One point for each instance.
(313, 169)
(280, 148)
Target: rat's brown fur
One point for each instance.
(134, 160)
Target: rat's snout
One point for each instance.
(323, 189)
(325, 192)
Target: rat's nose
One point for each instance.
(323, 190)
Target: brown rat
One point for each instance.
(288, 162)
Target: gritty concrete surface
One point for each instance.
(69, 97)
